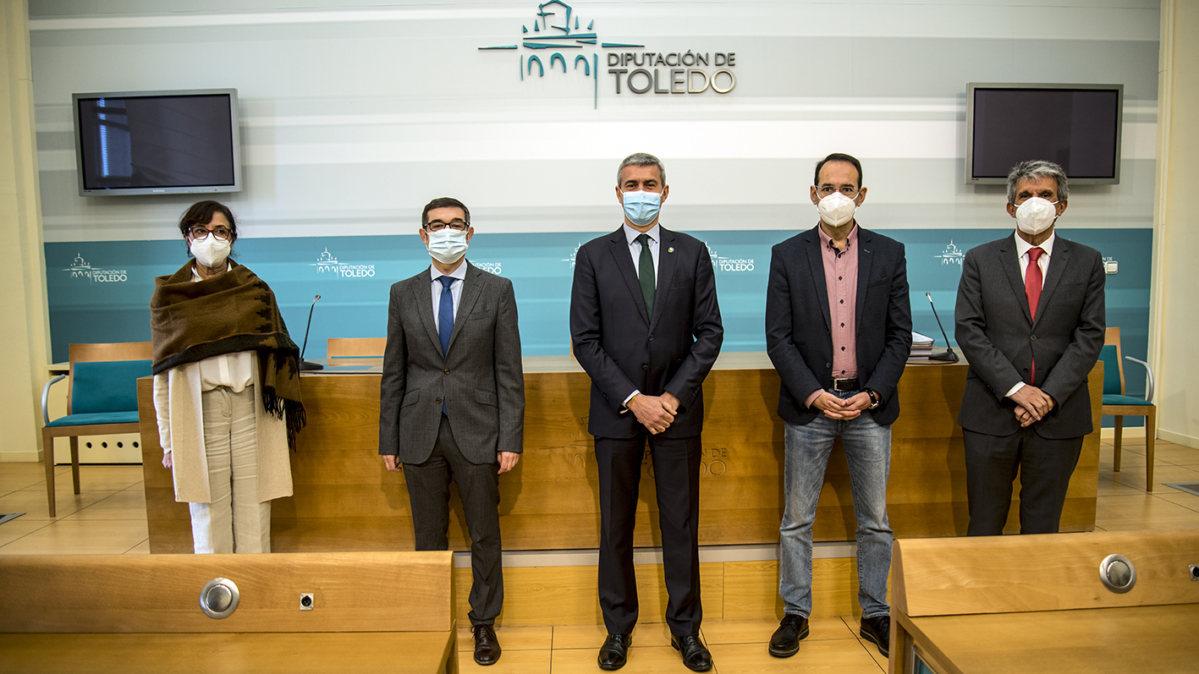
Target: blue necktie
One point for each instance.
(445, 320)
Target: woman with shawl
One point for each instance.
(226, 388)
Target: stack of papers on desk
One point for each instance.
(922, 347)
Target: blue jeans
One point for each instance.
(868, 451)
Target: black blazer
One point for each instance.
(480, 378)
(799, 334)
(999, 339)
(623, 350)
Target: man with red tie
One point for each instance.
(1030, 321)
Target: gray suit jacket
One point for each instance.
(480, 378)
(999, 338)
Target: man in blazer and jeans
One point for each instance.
(452, 402)
(1030, 321)
(839, 331)
(646, 327)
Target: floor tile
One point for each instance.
(142, 548)
(94, 478)
(591, 637)
(18, 528)
(1109, 487)
(14, 476)
(833, 656)
(512, 638)
(1134, 475)
(642, 660)
(1167, 452)
(759, 631)
(1128, 513)
(1177, 497)
(872, 650)
(77, 537)
(33, 502)
(129, 504)
(511, 662)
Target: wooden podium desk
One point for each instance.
(369, 612)
(345, 500)
(1036, 604)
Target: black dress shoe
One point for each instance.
(785, 641)
(878, 630)
(615, 651)
(695, 654)
(487, 647)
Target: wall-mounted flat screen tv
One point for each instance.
(157, 142)
(1074, 125)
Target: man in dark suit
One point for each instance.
(646, 327)
(1030, 321)
(452, 402)
(839, 331)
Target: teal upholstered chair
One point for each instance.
(1119, 405)
(101, 400)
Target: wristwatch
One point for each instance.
(875, 401)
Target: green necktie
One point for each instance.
(645, 273)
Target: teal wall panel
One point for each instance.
(100, 291)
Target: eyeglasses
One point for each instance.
(456, 225)
(827, 189)
(199, 233)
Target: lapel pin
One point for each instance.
(670, 250)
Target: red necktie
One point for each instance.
(1032, 290)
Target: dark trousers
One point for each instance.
(676, 478)
(478, 485)
(1045, 467)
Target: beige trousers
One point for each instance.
(234, 521)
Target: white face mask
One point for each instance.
(836, 209)
(447, 246)
(210, 251)
(1036, 215)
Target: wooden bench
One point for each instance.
(371, 612)
(1037, 604)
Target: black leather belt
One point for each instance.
(846, 384)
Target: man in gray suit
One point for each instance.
(1030, 321)
(452, 402)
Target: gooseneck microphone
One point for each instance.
(304, 364)
(949, 355)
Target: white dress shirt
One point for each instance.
(1022, 248)
(455, 290)
(655, 236)
(230, 369)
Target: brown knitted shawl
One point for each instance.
(230, 313)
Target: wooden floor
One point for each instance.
(109, 517)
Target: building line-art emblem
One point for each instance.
(543, 39)
(951, 255)
(81, 268)
(326, 262)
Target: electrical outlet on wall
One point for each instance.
(307, 601)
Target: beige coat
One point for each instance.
(181, 432)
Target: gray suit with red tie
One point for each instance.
(1000, 338)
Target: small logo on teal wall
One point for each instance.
(951, 255)
(81, 269)
(729, 264)
(326, 263)
(491, 267)
(558, 32)
(573, 254)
